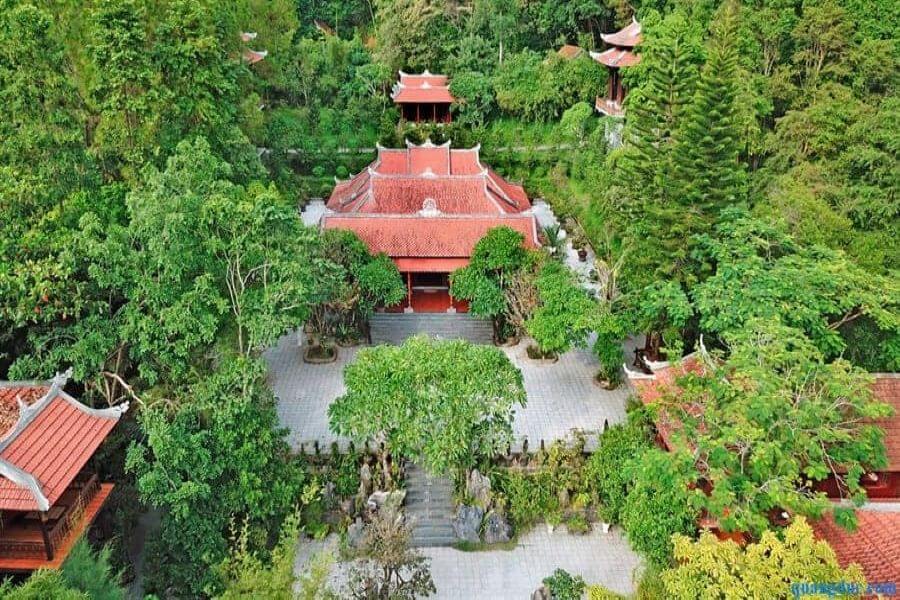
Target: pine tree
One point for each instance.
(708, 169)
(670, 56)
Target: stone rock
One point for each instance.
(356, 532)
(542, 593)
(365, 480)
(467, 523)
(478, 487)
(563, 497)
(497, 529)
(328, 495)
(380, 499)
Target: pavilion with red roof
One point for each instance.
(48, 494)
(426, 206)
(620, 54)
(423, 97)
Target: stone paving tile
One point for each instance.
(598, 557)
(561, 396)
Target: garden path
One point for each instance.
(599, 558)
(562, 397)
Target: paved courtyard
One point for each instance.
(600, 558)
(561, 396)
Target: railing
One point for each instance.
(86, 486)
(87, 489)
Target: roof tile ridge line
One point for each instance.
(415, 215)
(26, 480)
(534, 231)
(28, 413)
(484, 177)
(24, 383)
(503, 193)
(113, 413)
(885, 375)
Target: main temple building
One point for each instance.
(426, 206)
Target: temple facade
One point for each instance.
(619, 54)
(426, 206)
(423, 98)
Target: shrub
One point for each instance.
(564, 586)
(598, 592)
(607, 474)
(530, 496)
(659, 504)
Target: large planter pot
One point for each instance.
(604, 383)
(314, 358)
(533, 354)
(508, 342)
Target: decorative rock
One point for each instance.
(478, 487)
(355, 533)
(497, 529)
(388, 500)
(365, 480)
(467, 523)
(563, 497)
(542, 593)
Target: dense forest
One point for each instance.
(150, 179)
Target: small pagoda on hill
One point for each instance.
(49, 494)
(424, 97)
(620, 54)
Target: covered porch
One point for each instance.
(428, 292)
(36, 539)
(435, 112)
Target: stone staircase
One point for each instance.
(429, 508)
(393, 328)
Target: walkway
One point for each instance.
(561, 396)
(599, 558)
(429, 507)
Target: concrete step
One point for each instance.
(429, 507)
(393, 328)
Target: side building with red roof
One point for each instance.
(48, 493)
(618, 55)
(875, 545)
(426, 206)
(423, 97)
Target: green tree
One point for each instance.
(766, 568)
(565, 315)
(215, 457)
(660, 503)
(708, 146)
(489, 281)
(763, 429)
(443, 403)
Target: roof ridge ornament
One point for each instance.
(429, 208)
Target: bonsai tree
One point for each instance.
(388, 567)
(489, 280)
(443, 404)
(566, 314)
(352, 283)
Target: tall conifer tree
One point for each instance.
(707, 161)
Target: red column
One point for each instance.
(409, 289)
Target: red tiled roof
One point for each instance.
(413, 236)
(887, 389)
(629, 36)
(609, 107)
(254, 56)
(569, 51)
(430, 265)
(422, 88)
(875, 545)
(651, 388)
(400, 181)
(9, 405)
(616, 57)
(49, 444)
